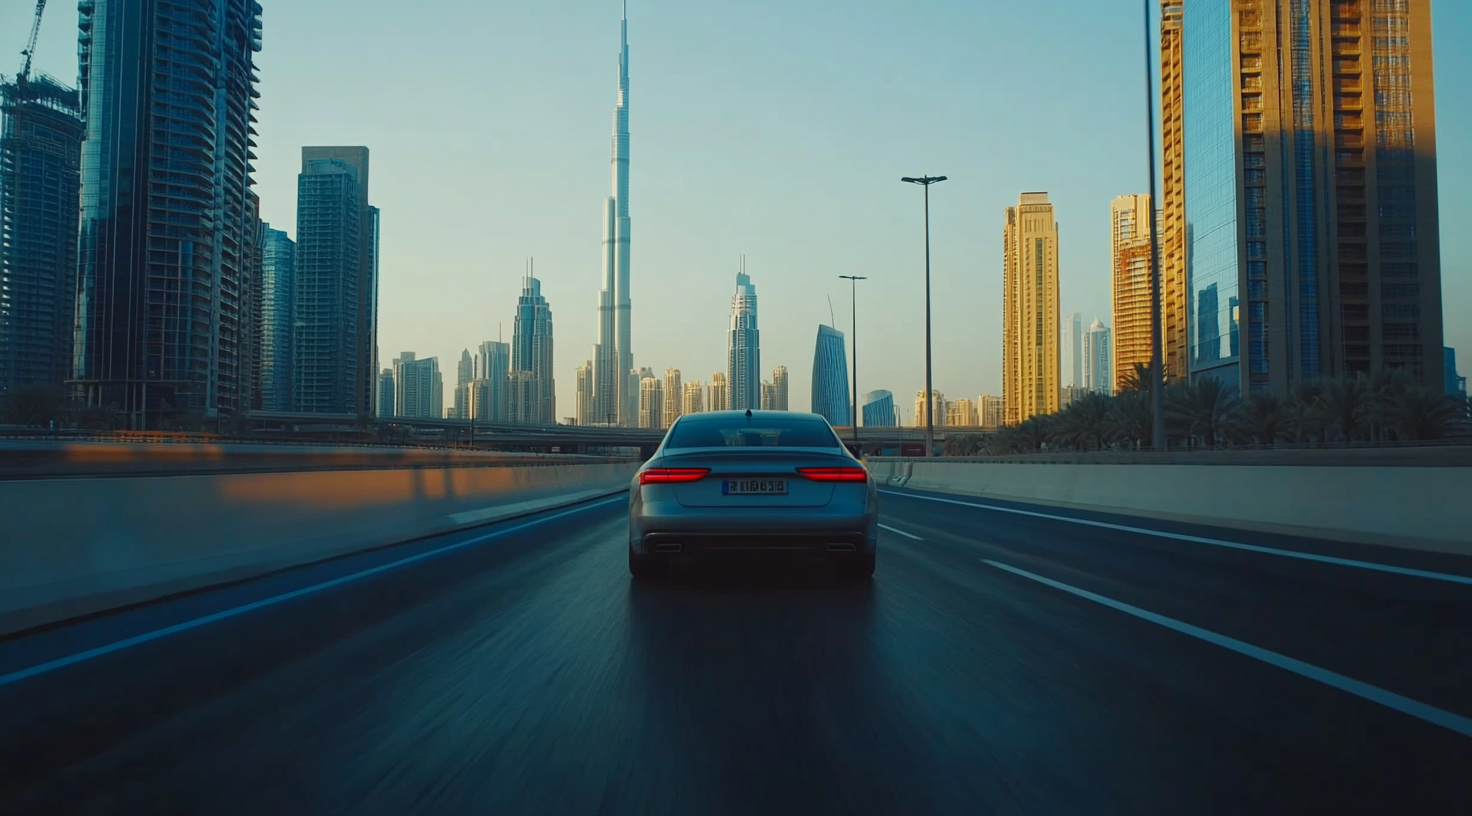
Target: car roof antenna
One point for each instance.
(748, 416)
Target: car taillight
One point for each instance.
(835, 474)
(672, 475)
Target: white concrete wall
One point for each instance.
(1426, 508)
(75, 546)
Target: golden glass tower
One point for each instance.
(1172, 206)
(1030, 312)
(1309, 136)
(1129, 252)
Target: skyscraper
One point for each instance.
(1130, 242)
(385, 406)
(674, 394)
(989, 411)
(938, 405)
(768, 395)
(961, 413)
(1030, 358)
(584, 415)
(1098, 372)
(693, 402)
(1171, 215)
(830, 397)
(720, 393)
(418, 391)
(40, 171)
(651, 401)
(493, 363)
(363, 363)
(165, 232)
(464, 376)
(277, 284)
(780, 389)
(1072, 351)
(325, 347)
(523, 399)
(877, 409)
(615, 392)
(743, 346)
(531, 351)
(1317, 208)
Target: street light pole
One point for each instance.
(926, 181)
(1157, 369)
(854, 324)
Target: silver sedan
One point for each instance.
(752, 481)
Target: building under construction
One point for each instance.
(40, 158)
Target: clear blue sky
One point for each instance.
(774, 129)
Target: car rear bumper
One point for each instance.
(817, 531)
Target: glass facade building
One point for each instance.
(166, 234)
(743, 350)
(277, 284)
(40, 161)
(877, 409)
(1311, 212)
(531, 352)
(830, 377)
(1212, 195)
(325, 314)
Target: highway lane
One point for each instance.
(523, 672)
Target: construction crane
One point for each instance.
(25, 69)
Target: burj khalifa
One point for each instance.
(615, 392)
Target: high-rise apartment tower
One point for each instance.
(166, 231)
(531, 351)
(1030, 355)
(743, 346)
(1309, 142)
(40, 170)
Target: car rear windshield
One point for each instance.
(754, 433)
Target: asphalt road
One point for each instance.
(523, 673)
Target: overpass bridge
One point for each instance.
(559, 438)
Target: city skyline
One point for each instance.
(902, 372)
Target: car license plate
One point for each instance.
(759, 487)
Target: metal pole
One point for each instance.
(1157, 370)
(929, 391)
(854, 327)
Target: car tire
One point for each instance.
(645, 569)
(861, 568)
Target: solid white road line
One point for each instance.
(136, 640)
(1375, 694)
(1326, 559)
(901, 532)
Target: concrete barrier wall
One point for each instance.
(1419, 508)
(77, 546)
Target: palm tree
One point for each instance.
(1130, 418)
(1206, 406)
(1301, 413)
(1137, 379)
(1084, 423)
(1263, 419)
(1421, 413)
(1343, 405)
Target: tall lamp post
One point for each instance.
(926, 181)
(1157, 369)
(854, 329)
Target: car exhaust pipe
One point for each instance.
(840, 547)
(668, 548)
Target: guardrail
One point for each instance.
(1391, 455)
